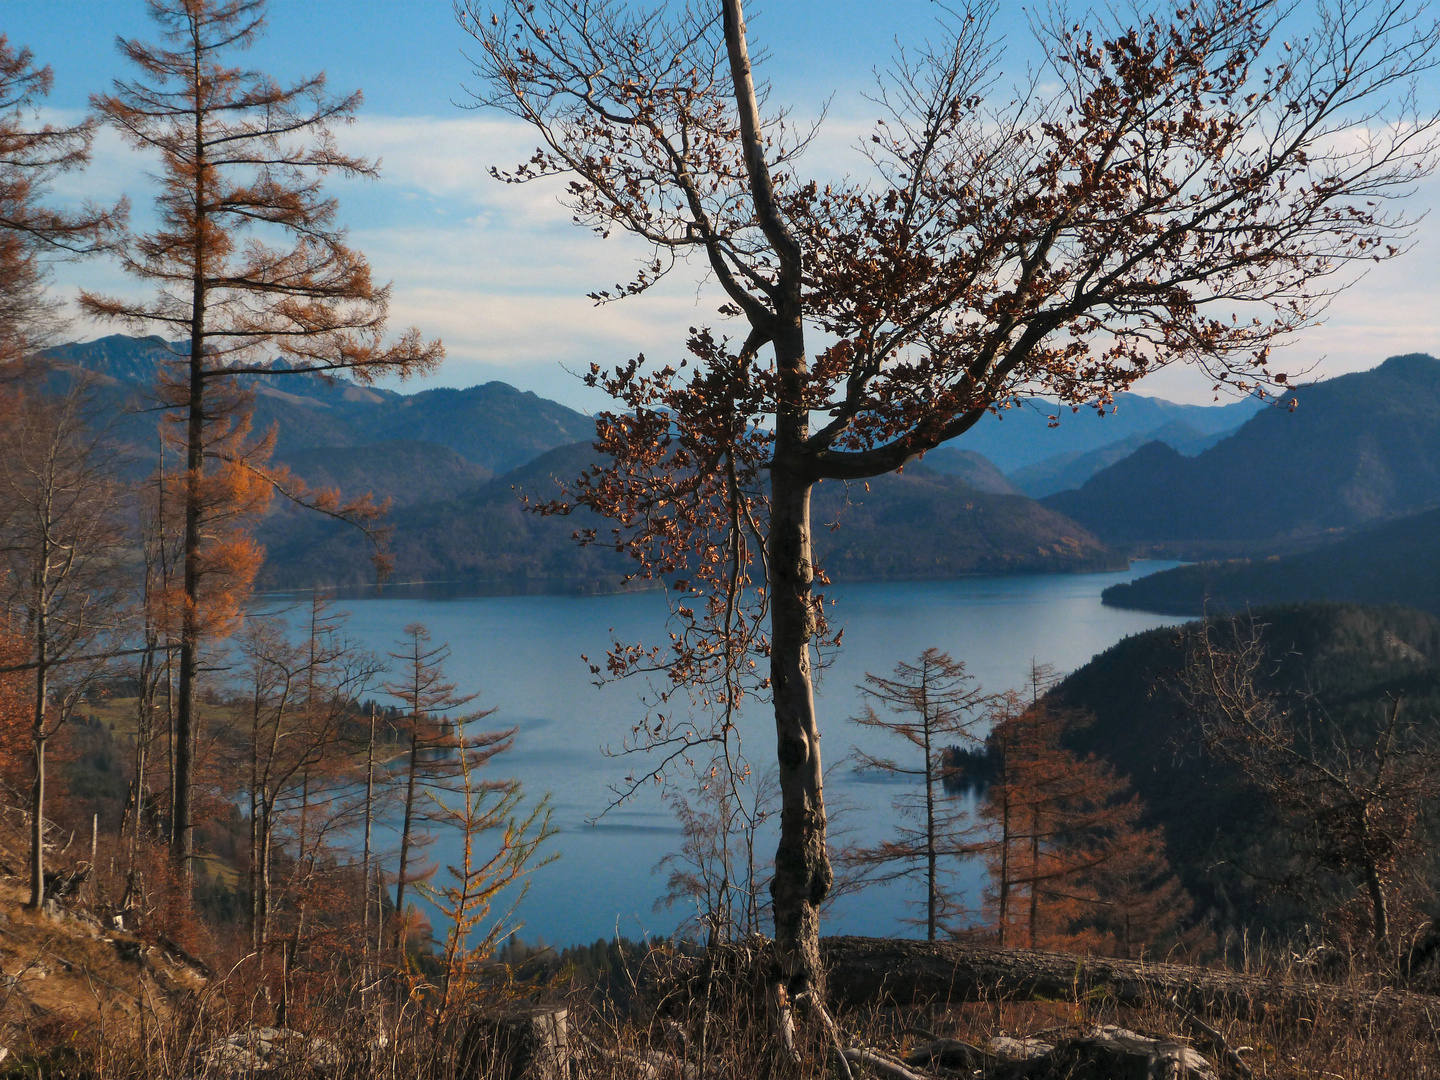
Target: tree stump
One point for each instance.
(526, 1042)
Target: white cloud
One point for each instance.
(500, 271)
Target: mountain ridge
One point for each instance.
(1355, 450)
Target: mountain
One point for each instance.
(452, 461)
(923, 524)
(405, 471)
(481, 539)
(494, 427)
(1394, 563)
(915, 525)
(1343, 659)
(1022, 435)
(1069, 470)
(1354, 451)
(975, 469)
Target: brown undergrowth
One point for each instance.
(78, 999)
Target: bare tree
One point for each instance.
(442, 754)
(1066, 243)
(1353, 802)
(933, 705)
(718, 869)
(61, 540)
(300, 766)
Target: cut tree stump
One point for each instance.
(527, 1042)
(868, 971)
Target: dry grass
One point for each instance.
(80, 1002)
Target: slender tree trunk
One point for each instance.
(255, 801)
(255, 941)
(1034, 872)
(930, 854)
(365, 856)
(405, 839)
(1379, 907)
(802, 868)
(267, 836)
(37, 787)
(182, 840)
(1002, 886)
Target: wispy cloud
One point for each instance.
(501, 273)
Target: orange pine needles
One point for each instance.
(247, 260)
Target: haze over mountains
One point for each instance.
(453, 463)
(1357, 450)
(493, 427)
(1274, 487)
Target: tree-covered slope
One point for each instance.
(1394, 563)
(910, 526)
(1222, 839)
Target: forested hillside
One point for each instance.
(1344, 663)
(1394, 563)
(485, 539)
(255, 825)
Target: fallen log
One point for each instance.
(867, 971)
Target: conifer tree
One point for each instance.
(32, 154)
(247, 260)
(934, 705)
(1070, 865)
(441, 755)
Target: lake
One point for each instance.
(523, 655)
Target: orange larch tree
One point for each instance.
(933, 705)
(32, 154)
(1183, 193)
(1069, 864)
(248, 261)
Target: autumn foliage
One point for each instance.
(1179, 189)
(1070, 865)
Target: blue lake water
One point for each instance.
(523, 655)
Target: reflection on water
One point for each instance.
(522, 654)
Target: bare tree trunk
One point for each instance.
(802, 867)
(405, 840)
(1379, 907)
(182, 840)
(37, 789)
(267, 835)
(930, 854)
(1034, 871)
(256, 801)
(1002, 887)
(182, 837)
(365, 856)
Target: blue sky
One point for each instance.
(499, 273)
